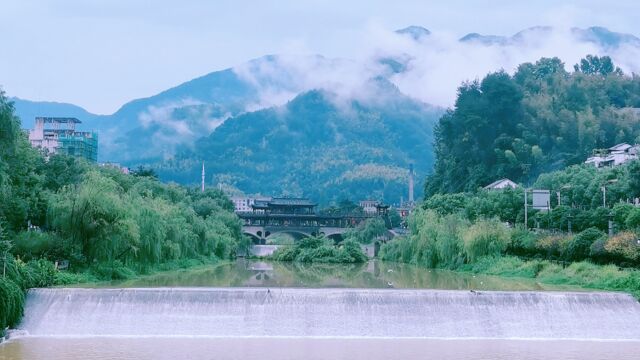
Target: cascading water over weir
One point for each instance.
(288, 312)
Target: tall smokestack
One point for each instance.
(203, 176)
(411, 183)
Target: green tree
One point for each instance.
(592, 65)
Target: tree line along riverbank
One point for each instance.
(98, 222)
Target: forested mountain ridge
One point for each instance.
(167, 130)
(316, 147)
(149, 129)
(540, 119)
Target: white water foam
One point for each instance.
(330, 313)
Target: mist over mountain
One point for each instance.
(177, 128)
(597, 35)
(316, 147)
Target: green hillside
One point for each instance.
(317, 147)
(540, 119)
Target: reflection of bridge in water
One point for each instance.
(297, 218)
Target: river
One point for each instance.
(264, 310)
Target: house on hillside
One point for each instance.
(501, 184)
(615, 155)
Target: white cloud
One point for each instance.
(170, 131)
(435, 66)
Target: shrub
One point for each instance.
(354, 252)
(112, 271)
(508, 266)
(288, 253)
(579, 248)
(319, 249)
(598, 252)
(37, 273)
(553, 246)
(523, 242)
(11, 303)
(620, 213)
(624, 246)
(633, 219)
(485, 238)
(36, 244)
(67, 278)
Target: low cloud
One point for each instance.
(429, 68)
(278, 79)
(178, 123)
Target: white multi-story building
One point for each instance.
(244, 204)
(369, 206)
(58, 135)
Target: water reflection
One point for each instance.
(374, 274)
(310, 349)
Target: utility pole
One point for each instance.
(526, 218)
(411, 200)
(604, 196)
(202, 176)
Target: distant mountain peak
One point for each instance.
(605, 37)
(596, 34)
(416, 32)
(484, 39)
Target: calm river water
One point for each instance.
(143, 319)
(374, 274)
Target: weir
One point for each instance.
(287, 312)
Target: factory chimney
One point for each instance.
(202, 176)
(411, 183)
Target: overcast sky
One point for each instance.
(100, 54)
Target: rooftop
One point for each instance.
(291, 201)
(59, 120)
(504, 181)
(620, 147)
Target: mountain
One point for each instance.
(415, 32)
(605, 38)
(485, 39)
(315, 147)
(198, 120)
(28, 110)
(600, 36)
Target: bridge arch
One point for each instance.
(256, 240)
(295, 234)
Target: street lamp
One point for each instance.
(610, 223)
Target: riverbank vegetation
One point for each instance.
(537, 128)
(580, 194)
(318, 249)
(321, 249)
(588, 259)
(97, 222)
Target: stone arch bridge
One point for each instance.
(260, 226)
